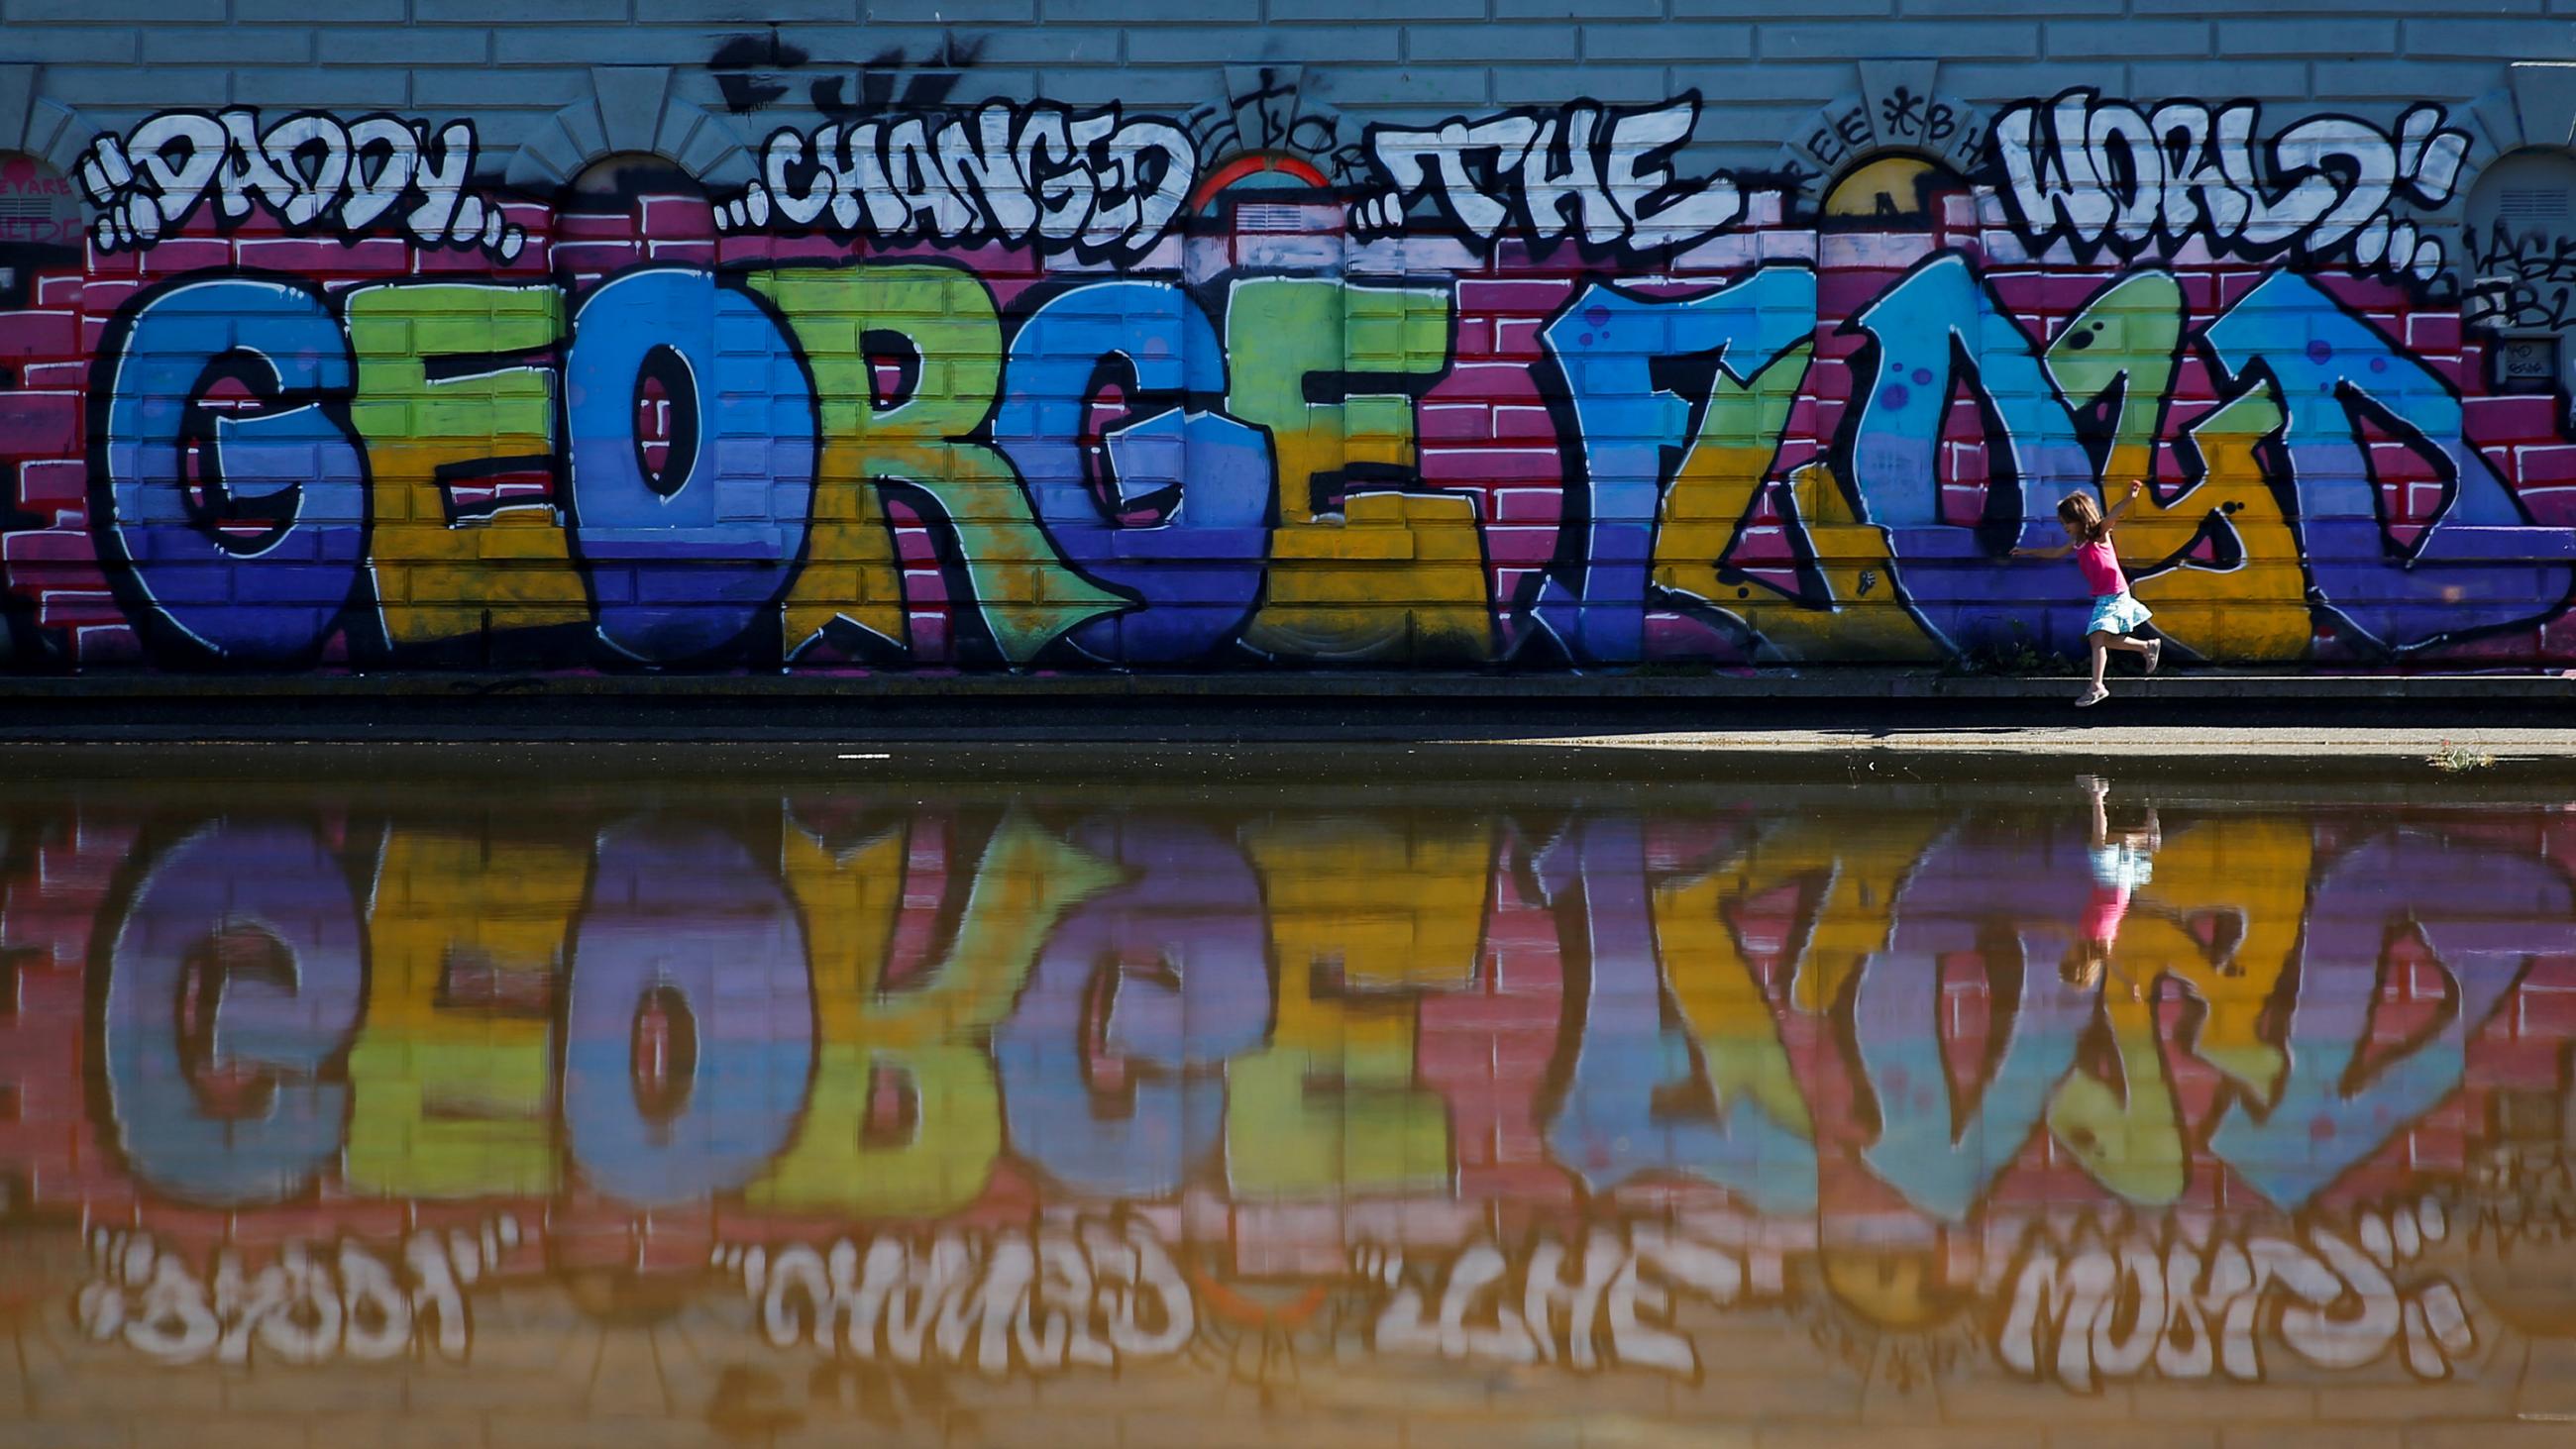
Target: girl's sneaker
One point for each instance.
(2093, 694)
(2155, 652)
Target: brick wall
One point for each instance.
(1567, 384)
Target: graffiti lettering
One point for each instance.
(244, 533)
(1135, 963)
(2125, 175)
(1556, 1303)
(307, 1307)
(2519, 279)
(308, 169)
(1041, 176)
(1091, 1296)
(1601, 176)
(2151, 1300)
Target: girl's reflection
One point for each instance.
(2122, 861)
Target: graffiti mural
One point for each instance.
(885, 1106)
(1020, 385)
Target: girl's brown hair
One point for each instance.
(2079, 512)
(2083, 963)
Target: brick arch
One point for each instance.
(34, 125)
(634, 109)
(1266, 115)
(2535, 110)
(1897, 108)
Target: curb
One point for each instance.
(1822, 685)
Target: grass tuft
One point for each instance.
(2454, 758)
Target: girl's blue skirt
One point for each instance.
(2118, 613)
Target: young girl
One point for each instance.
(2117, 616)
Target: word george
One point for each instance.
(2126, 175)
(311, 170)
(2154, 1299)
(1549, 1304)
(307, 1307)
(1093, 1295)
(1040, 175)
(690, 552)
(1601, 175)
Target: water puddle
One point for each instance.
(782, 1110)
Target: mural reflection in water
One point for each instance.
(753, 1113)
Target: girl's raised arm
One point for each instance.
(2122, 506)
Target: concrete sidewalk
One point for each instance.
(2110, 744)
(1029, 747)
(1820, 684)
(2308, 721)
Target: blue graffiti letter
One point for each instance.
(683, 559)
(1197, 566)
(2479, 564)
(1612, 348)
(1931, 329)
(245, 531)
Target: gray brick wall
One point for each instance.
(1763, 64)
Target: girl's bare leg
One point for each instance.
(2094, 692)
(2152, 649)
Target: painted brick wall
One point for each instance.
(1035, 336)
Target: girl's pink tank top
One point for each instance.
(2101, 568)
(2103, 911)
